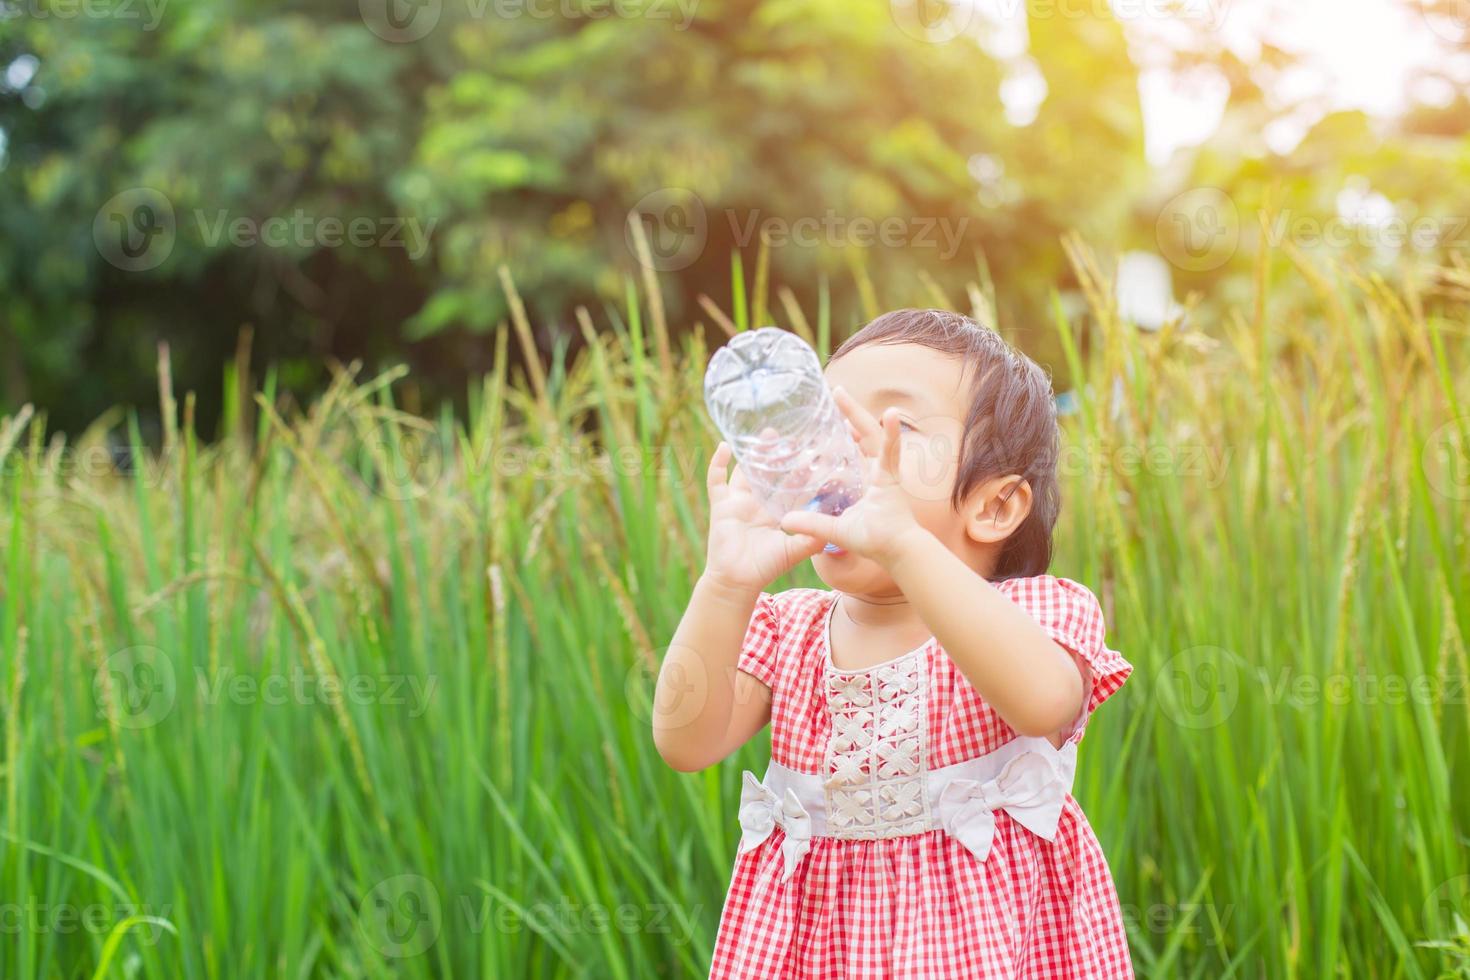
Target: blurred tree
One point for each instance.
(177, 171)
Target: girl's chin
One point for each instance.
(843, 569)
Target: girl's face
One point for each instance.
(929, 389)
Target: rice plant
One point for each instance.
(349, 692)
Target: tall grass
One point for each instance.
(350, 692)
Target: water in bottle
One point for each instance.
(765, 391)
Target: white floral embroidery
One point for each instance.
(850, 692)
(902, 801)
(900, 718)
(848, 770)
(876, 752)
(851, 732)
(898, 758)
(851, 807)
(896, 680)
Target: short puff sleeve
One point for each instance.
(1072, 616)
(758, 649)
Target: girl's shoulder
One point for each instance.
(797, 607)
(783, 625)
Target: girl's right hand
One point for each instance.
(747, 549)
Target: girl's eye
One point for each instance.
(910, 425)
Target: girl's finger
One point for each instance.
(822, 527)
(865, 428)
(800, 547)
(737, 478)
(715, 477)
(888, 459)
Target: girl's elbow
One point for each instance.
(677, 753)
(1048, 717)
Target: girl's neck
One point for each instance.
(889, 613)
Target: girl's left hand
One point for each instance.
(882, 521)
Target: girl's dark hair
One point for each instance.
(1010, 425)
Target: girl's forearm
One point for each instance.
(1012, 662)
(695, 692)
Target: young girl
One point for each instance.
(916, 818)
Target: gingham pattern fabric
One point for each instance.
(921, 905)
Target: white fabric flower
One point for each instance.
(849, 692)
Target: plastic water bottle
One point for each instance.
(765, 391)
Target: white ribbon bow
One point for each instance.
(761, 810)
(1029, 788)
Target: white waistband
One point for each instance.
(1027, 777)
(810, 789)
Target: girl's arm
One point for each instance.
(703, 707)
(1033, 683)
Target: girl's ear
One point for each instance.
(996, 508)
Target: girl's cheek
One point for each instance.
(927, 469)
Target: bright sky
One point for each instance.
(1357, 54)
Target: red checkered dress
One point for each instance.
(921, 905)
